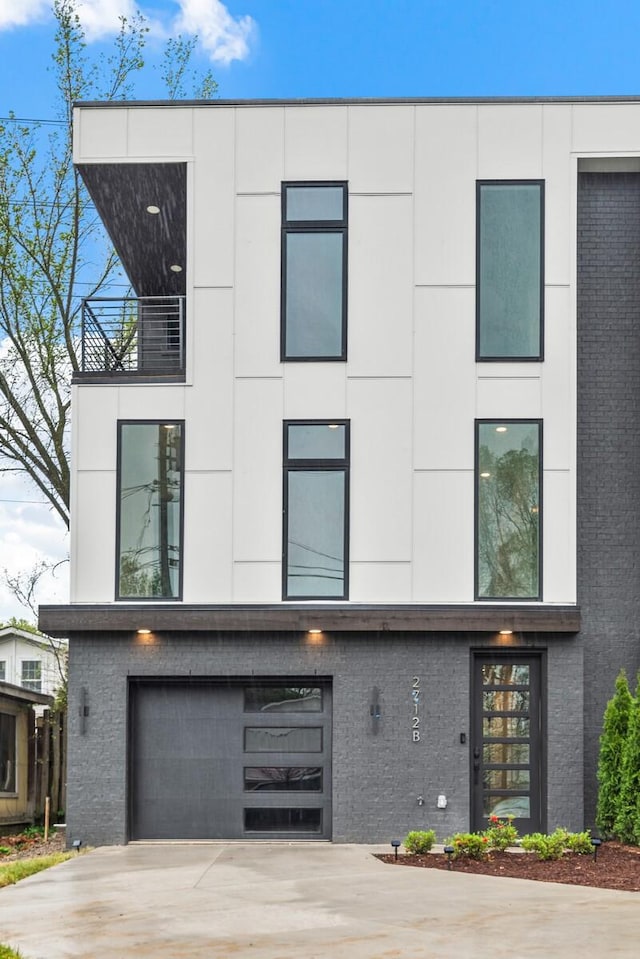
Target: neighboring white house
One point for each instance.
(31, 660)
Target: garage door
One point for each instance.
(218, 761)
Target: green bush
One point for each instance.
(5, 850)
(6, 952)
(626, 826)
(501, 833)
(615, 726)
(419, 841)
(546, 846)
(473, 845)
(579, 842)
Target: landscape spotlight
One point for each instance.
(76, 844)
(395, 845)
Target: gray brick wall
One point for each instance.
(608, 444)
(376, 778)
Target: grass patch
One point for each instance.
(13, 872)
(6, 952)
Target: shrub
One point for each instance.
(579, 842)
(6, 952)
(5, 850)
(546, 847)
(501, 833)
(626, 826)
(473, 845)
(614, 733)
(419, 841)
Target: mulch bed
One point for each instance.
(617, 866)
(30, 847)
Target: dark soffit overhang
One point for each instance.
(148, 244)
(298, 617)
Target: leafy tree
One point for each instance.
(508, 523)
(627, 822)
(612, 742)
(52, 248)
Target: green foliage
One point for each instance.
(419, 841)
(501, 833)
(13, 872)
(22, 624)
(6, 952)
(579, 842)
(473, 845)
(555, 845)
(626, 826)
(545, 846)
(53, 248)
(612, 741)
(5, 850)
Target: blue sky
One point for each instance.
(315, 48)
(318, 48)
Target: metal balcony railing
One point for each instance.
(133, 335)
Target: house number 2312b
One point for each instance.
(415, 702)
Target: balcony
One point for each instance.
(134, 336)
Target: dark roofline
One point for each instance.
(21, 695)
(358, 101)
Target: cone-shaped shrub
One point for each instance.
(612, 741)
(627, 822)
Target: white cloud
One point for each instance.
(101, 18)
(30, 532)
(222, 36)
(17, 13)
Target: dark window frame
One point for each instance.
(149, 422)
(480, 358)
(313, 226)
(476, 503)
(319, 465)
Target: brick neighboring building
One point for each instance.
(354, 489)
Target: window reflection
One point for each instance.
(149, 491)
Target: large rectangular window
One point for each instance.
(508, 509)
(150, 480)
(7, 753)
(31, 675)
(314, 271)
(316, 510)
(510, 270)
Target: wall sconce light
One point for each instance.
(83, 710)
(374, 710)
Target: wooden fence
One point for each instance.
(49, 763)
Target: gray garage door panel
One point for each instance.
(206, 765)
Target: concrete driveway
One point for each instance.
(305, 901)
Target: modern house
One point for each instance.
(31, 660)
(355, 479)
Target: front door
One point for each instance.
(506, 739)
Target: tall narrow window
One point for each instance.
(316, 510)
(314, 271)
(150, 474)
(508, 509)
(7, 753)
(31, 676)
(510, 270)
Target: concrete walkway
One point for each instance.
(305, 901)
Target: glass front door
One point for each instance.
(506, 740)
